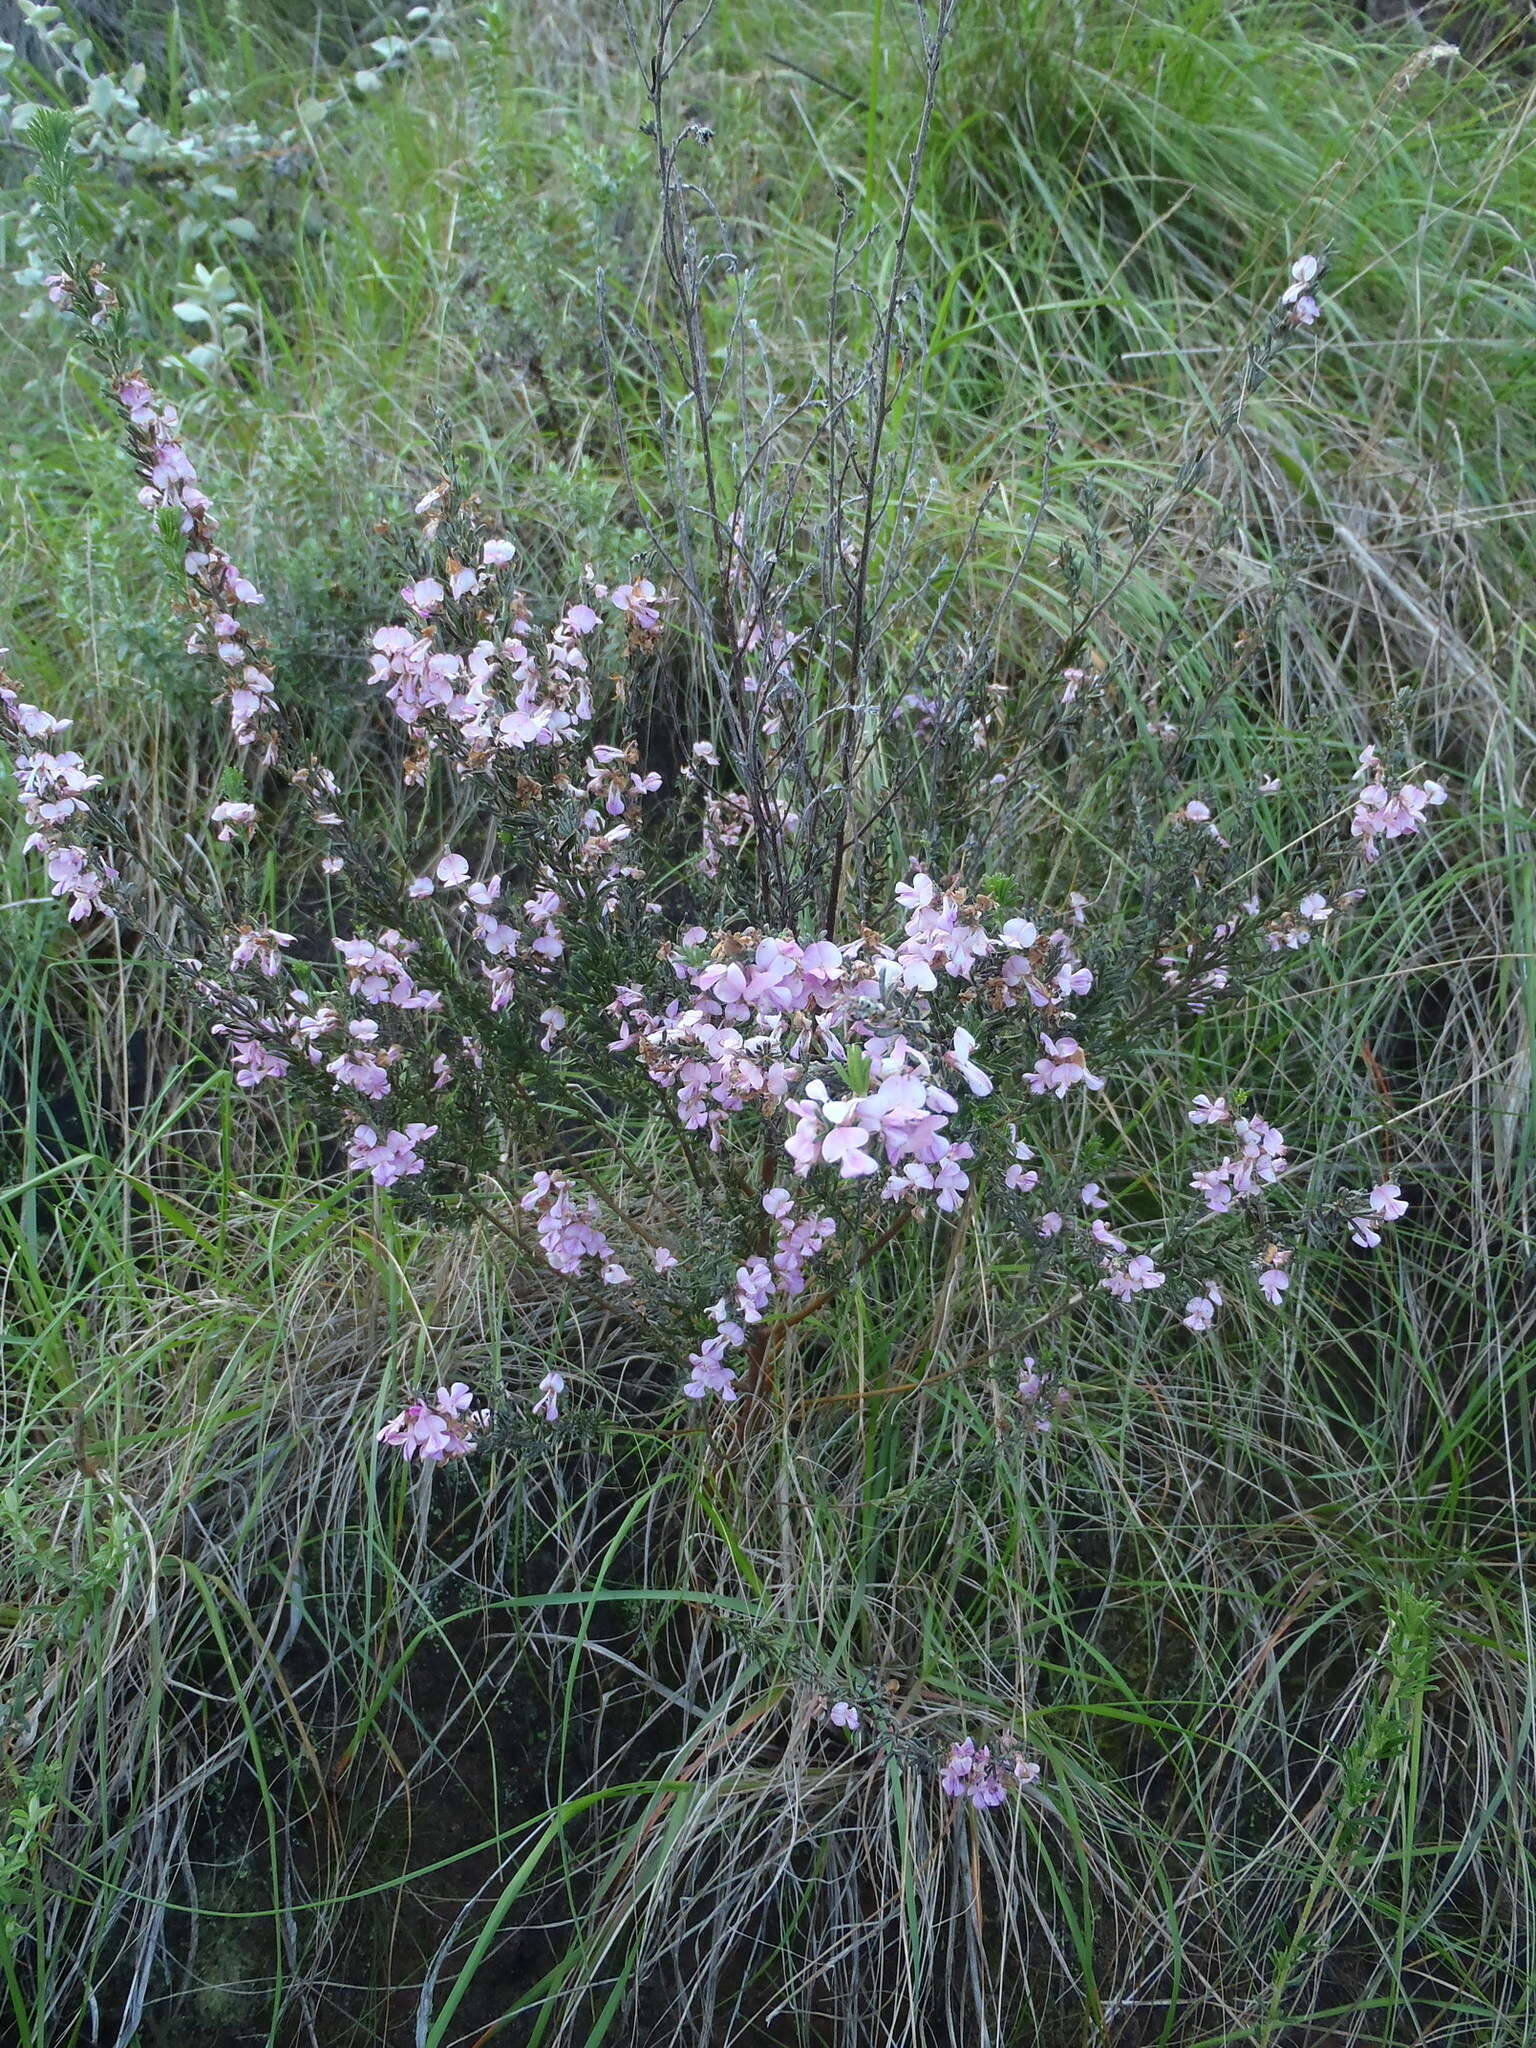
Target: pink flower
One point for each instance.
(255, 1062)
(390, 1158)
(1273, 1278)
(423, 597)
(1297, 301)
(1386, 1199)
(1206, 1111)
(960, 1059)
(846, 1147)
(708, 1372)
(1137, 1276)
(232, 816)
(843, 1715)
(547, 1405)
(969, 1773)
(260, 947)
(1063, 1065)
(445, 1429)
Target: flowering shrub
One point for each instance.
(575, 990)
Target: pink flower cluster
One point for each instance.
(498, 695)
(223, 594)
(972, 1773)
(905, 1113)
(510, 689)
(797, 1239)
(1383, 813)
(444, 1428)
(568, 1230)
(393, 1157)
(771, 1021)
(52, 789)
(1258, 1164)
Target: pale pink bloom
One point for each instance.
(1273, 1281)
(1206, 1111)
(255, 1062)
(969, 1773)
(960, 1059)
(1063, 1065)
(261, 947)
(663, 1260)
(1386, 1199)
(1025, 1772)
(1137, 1276)
(843, 1715)
(1199, 1313)
(709, 1374)
(423, 597)
(232, 816)
(446, 1429)
(390, 1158)
(845, 1146)
(638, 600)
(80, 875)
(332, 864)
(547, 1405)
(1363, 1232)
(1050, 1224)
(1315, 907)
(452, 871)
(497, 553)
(1090, 1196)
